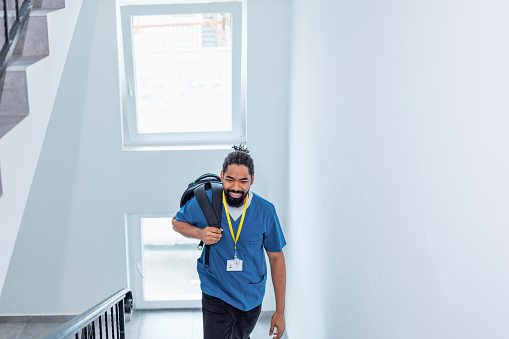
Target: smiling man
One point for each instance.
(233, 286)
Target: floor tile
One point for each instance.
(13, 319)
(133, 325)
(10, 331)
(164, 324)
(61, 319)
(38, 330)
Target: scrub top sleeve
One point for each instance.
(274, 240)
(188, 212)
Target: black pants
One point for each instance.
(223, 321)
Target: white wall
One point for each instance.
(70, 252)
(399, 169)
(20, 148)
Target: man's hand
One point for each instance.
(278, 321)
(211, 235)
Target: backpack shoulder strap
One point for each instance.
(206, 206)
(212, 211)
(217, 200)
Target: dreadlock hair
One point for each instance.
(240, 156)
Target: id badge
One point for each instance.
(234, 265)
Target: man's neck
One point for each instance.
(236, 212)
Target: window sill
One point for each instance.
(175, 147)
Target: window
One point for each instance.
(183, 70)
(162, 263)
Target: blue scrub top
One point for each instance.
(261, 229)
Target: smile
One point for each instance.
(235, 195)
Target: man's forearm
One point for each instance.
(278, 271)
(186, 229)
(209, 235)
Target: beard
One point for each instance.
(235, 202)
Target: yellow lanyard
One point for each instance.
(230, 222)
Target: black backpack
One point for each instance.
(212, 211)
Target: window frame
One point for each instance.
(132, 140)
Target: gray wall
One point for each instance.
(71, 250)
(399, 169)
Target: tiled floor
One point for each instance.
(183, 324)
(29, 327)
(149, 324)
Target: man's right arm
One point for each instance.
(209, 235)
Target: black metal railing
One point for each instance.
(12, 30)
(104, 320)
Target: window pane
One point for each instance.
(169, 262)
(183, 72)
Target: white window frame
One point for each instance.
(136, 269)
(132, 140)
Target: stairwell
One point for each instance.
(31, 47)
(27, 93)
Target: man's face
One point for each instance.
(236, 182)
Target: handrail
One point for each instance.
(121, 301)
(13, 33)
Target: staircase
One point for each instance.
(27, 93)
(31, 47)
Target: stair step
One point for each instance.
(31, 46)
(14, 93)
(14, 96)
(8, 122)
(11, 14)
(37, 29)
(33, 39)
(52, 4)
(20, 63)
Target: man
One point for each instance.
(233, 286)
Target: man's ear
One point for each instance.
(221, 176)
(252, 179)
